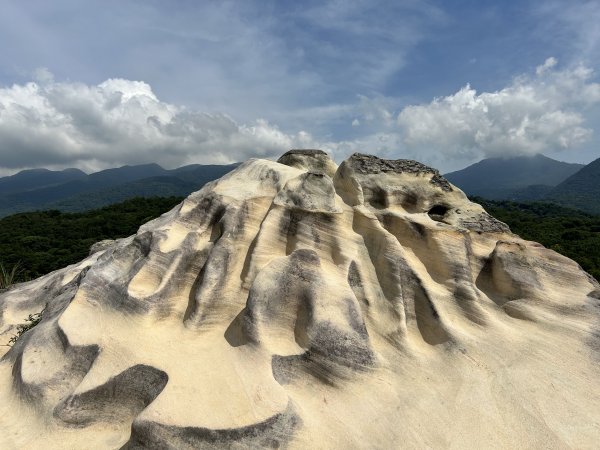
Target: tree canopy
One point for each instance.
(43, 241)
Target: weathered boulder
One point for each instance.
(297, 304)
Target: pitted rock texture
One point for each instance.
(301, 305)
(369, 164)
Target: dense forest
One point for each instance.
(571, 232)
(40, 242)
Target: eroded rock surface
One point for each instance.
(295, 304)
(311, 160)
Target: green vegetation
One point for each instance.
(573, 233)
(35, 243)
(73, 191)
(8, 277)
(32, 320)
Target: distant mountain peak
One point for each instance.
(499, 178)
(581, 190)
(73, 190)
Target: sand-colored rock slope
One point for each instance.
(297, 304)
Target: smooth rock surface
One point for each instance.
(295, 304)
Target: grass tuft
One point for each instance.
(8, 276)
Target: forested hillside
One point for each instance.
(41, 242)
(581, 191)
(73, 191)
(568, 231)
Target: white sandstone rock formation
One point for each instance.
(295, 304)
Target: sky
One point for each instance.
(98, 84)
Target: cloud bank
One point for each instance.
(60, 124)
(52, 124)
(541, 113)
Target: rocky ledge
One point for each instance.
(369, 164)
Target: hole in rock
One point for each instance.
(438, 212)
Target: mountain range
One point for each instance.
(523, 178)
(509, 178)
(581, 190)
(533, 178)
(73, 190)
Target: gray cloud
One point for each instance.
(300, 65)
(58, 124)
(121, 121)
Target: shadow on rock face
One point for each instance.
(120, 398)
(274, 432)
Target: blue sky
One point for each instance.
(95, 84)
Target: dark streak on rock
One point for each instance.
(275, 432)
(341, 347)
(122, 397)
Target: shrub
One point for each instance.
(32, 320)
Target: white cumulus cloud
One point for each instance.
(548, 64)
(541, 113)
(56, 124)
